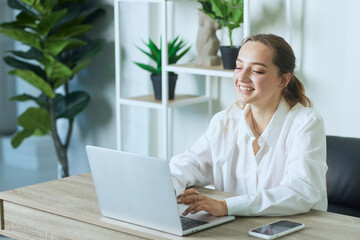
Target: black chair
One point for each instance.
(343, 176)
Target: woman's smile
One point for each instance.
(246, 89)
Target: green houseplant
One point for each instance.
(175, 52)
(53, 33)
(230, 14)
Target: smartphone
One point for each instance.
(276, 229)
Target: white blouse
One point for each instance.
(285, 177)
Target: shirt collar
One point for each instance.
(244, 128)
(272, 131)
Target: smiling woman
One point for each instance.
(269, 147)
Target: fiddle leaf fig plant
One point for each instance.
(228, 13)
(56, 47)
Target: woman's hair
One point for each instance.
(284, 59)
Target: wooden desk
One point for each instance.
(68, 209)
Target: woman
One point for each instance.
(269, 147)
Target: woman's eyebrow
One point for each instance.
(254, 63)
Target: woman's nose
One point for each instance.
(241, 76)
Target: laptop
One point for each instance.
(139, 190)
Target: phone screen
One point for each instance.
(276, 227)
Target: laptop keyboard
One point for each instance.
(188, 223)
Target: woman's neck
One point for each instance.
(262, 114)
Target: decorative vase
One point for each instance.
(229, 55)
(156, 81)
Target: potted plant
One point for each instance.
(230, 14)
(175, 52)
(57, 48)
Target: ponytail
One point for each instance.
(295, 93)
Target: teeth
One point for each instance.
(246, 89)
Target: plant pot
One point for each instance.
(156, 81)
(229, 55)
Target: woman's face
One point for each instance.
(256, 78)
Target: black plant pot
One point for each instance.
(229, 55)
(156, 80)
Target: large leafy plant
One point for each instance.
(229, 13)
(175, 52)
(56, 49)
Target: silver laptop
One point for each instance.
(139, 189)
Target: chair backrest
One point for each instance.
(343, 176)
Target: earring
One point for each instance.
(280, 85)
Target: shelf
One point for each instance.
(192, 68)
(150, 101)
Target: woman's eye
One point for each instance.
(258, 72)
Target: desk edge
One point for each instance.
(11, 235)
(144, 232)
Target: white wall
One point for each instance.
(331, 60)
(324, 37)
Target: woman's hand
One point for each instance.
(198, 202)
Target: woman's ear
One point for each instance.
(285, 79)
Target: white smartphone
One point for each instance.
(276, 229)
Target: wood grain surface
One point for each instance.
(68, 209)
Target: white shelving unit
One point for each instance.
(166, 106)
